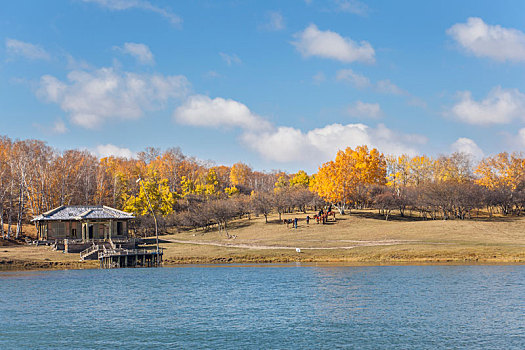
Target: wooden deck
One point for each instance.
(112, 255)
(116, 258)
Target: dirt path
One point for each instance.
(255, 246)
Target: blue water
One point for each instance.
(266, 307)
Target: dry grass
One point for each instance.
(26, 257)
(362, 237)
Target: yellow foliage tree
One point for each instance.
(231, 191)
(455, 168)
(340, 182)
(300, 179)
(155, 189)
(206, 185)
(405, 171)
(501, 171)
(239, 174)
(281, 184)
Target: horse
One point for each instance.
(330, 214)
(324, 217)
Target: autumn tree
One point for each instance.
(262, 203)
(300, 179)
(240, 174)
(504, 175)
(341, 181)
(156, 190)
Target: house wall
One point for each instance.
(63, 229)
(74, 229)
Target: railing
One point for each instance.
(120, 251)
(89, 251)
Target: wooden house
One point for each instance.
(85, 223)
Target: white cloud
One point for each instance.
(356, 79)
(31, 51)
(275, 21)
(501, 106)
(467, 146)
(363, 109)
(521, 135)
(230, 59)
(200, 110)
(492, 41)
(140, 51)
(352, 6)
(417, 102)
(59, 127)
(387, 87)
(517, 141)
(120, 5)
(328, 44)
(212, 74)
(109, 150)
(286, 144)
(76, 64)
(90, 98)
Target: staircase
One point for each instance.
(91, 253)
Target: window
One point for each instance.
(119, 228)
(58, 229)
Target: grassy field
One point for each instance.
(363, 237)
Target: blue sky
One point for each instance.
(275, 84)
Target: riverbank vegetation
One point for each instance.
(188, 194)
(363, 237)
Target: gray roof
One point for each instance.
(82, 212)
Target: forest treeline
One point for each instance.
(187, 193)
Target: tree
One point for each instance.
(341, 182)
(385, 200)
(157, 191)
(262, 204)
(504, 175)
(222, 210)
(300, 179)
(239, 174)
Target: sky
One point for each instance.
(274, 84)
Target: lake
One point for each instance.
(266, 307)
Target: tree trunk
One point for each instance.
(9, 218)
(20, 214)
(2, 233)
(226, 230)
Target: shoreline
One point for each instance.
(359, 239)
(21, 265)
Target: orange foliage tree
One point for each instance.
(341, 182)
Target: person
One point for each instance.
(307, 219)
(295, 223)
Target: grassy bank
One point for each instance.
(362, 237)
